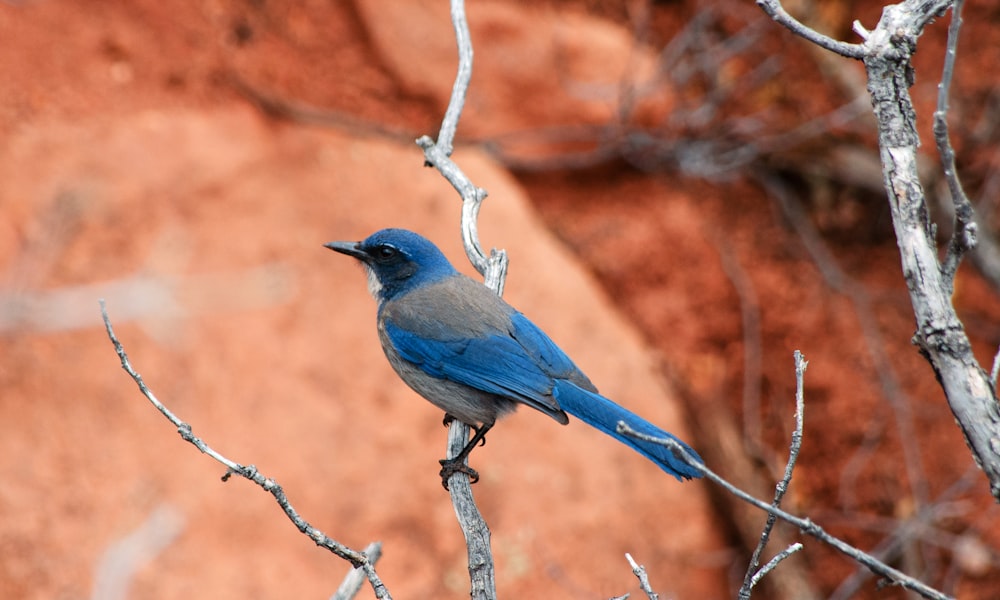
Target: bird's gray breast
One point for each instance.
(467, 404)
(453, 309)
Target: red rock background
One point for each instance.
(187, 161)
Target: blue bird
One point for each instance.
(468, 352)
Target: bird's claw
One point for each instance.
(456, 465)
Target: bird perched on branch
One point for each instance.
(468, 352)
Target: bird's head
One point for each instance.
(397, 261)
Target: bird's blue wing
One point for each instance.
(545, 352)
(459, 330)
(496, 364)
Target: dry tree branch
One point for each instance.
(640, 573)
(753, 576)
(355, 578)
(940, 334)
(777, 12)
(805, 525)
(886, 52)
(463, 39)
(494, 270)
(771, 564)
(964, 232)
(360, 560)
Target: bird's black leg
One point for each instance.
(450, 466)
(482, 438)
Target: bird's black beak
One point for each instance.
(350, 249)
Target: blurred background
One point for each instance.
(687, 193)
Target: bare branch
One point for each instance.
(355, 578)
(963, 237)
(774, 562)
(494, 270)
(887, 52)
(805, 525)
(640, 572)
(474, 527)
(449, 124)
(752, 577)
(777, 12)
(359, 559)
(940, 335)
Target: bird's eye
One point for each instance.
(385, 252)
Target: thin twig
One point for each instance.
(250, 472)
(963, 237)
(771, 564)
(774, 10)
(640, 572)
(752, 575)
(463, 38)
(355, 578)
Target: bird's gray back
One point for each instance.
(454, 308)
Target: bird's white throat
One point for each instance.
(374, 287)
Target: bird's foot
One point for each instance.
(456, 465)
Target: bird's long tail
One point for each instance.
(603, 414)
